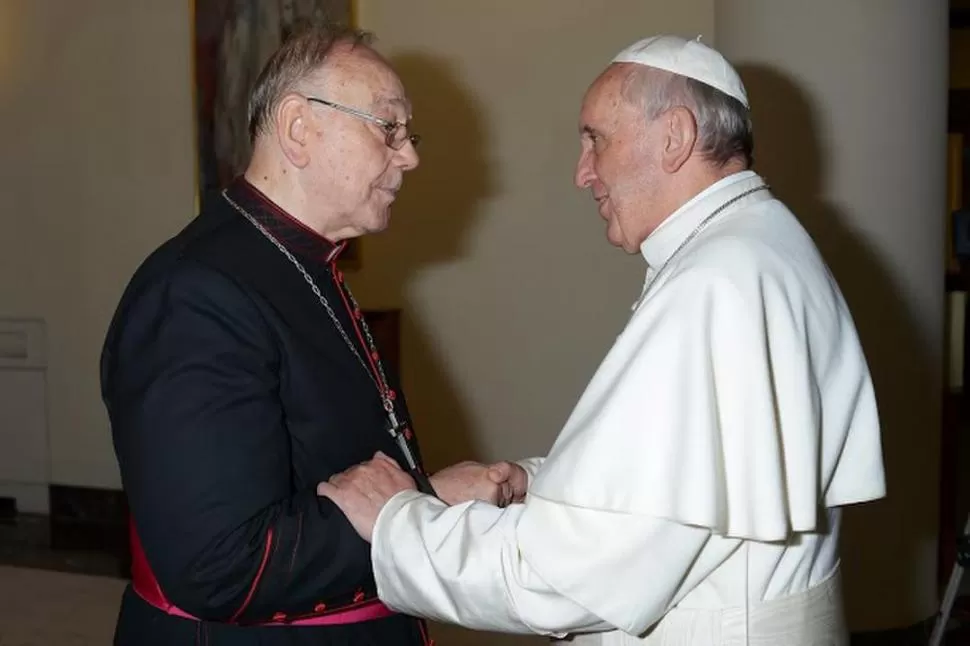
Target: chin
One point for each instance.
(623, 245)
(379, 222)
(615, 238)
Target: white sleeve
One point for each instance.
(539, 567)
(531, 466)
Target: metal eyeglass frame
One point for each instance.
(390, 128)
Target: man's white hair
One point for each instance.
(724, 128)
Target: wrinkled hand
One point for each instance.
(362, 491)
(499, 484)
(513, 476)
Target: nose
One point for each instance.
(408, 156)
(584, 170)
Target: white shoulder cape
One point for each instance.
(737, 398)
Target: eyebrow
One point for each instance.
(395, 101)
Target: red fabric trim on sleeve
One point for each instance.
(259, 575)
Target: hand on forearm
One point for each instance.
(362, 491)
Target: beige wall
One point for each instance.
(97, 168)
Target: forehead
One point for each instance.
(362, 76)
(604, 99)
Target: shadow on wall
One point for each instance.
(791, 155)
(435, 212)
(430, 222)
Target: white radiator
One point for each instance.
(24, 447)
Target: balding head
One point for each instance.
(301, 59)
(331, 134)
(724, 132)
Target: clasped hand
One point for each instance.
(362, 491)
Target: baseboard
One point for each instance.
(83, 530)
(28, 497)
(90, 519)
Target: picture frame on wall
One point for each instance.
(957, 233)
(233, 39)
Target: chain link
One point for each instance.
(697, 230)
(383, 386)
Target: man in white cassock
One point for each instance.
(695, 495)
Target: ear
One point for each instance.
(680, 138)
(293, 129)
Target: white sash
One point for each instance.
(811, 618)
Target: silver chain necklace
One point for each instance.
(396, 428)
(383, 386)
(693, 234)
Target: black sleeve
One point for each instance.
(192, 392)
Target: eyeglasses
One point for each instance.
(396, 134)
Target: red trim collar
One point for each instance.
(293, 234)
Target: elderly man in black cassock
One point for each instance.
(240, 377)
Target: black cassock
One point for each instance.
(231, 394)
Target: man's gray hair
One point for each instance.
(724, 128)
(301, 56)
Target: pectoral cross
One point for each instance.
(396, 428)
(398, 431)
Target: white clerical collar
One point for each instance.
(664, 240)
